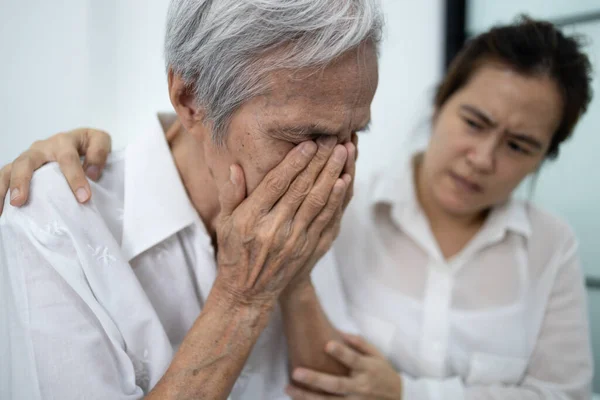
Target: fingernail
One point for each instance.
(93, 172)
(308, 148)
(299, 375)
(81, 194)
(330, 347)
(232, 174)
(327, 141)
(14, 193)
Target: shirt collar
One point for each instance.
(156, 204)
(396, 188)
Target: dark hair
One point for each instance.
(530, 47)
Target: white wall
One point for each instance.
(100, 63)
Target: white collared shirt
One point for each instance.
(97, 298)
(506, 318)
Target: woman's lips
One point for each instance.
(466, 183)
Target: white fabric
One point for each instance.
(506, 318)
(97, 298)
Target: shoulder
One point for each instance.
(552, 244)
(50, 195)
(548, 227)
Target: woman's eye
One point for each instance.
(514, 146)
(472, 124)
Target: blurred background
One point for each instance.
(99, 63)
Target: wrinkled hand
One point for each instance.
(276, 234)
(332, 230)
(371, 377)
(65, 148)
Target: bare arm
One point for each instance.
(214, 350)
(308, 330)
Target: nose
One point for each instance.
(482, 155)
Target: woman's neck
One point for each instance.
(451, 231)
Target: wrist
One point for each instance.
(228, 298)
(298, 292)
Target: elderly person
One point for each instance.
(189, 273)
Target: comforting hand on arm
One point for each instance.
(371, 375)
(65, 148)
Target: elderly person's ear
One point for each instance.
(182, 99)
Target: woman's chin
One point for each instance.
(456, 206)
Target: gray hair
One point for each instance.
(223, 49)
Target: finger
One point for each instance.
(233, 192)
(350, 172)
(325, 217)
(331, 231)
(346, 355)
(21, 173)
(300, 394)
(325, 382)
(301, 186)
(71, 167)
(317, 200)
(277, 181)
(4, 184)
(360, 344)
(96, 147)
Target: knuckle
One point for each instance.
(67, 158)
(364, 386)
(316, 201)
(333, 171)
(300, 188)
(101, 152)
(24, 161)
(39, 145)
(275, 183)
(297, 163)
(62, 138)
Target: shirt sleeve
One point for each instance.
(56, 346)
(560, 367)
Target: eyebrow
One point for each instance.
(313, 129)
(514, 135)
(480, 114)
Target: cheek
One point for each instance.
(509, 174)
(446, 146)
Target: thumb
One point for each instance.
(234, 191)
(360, 344)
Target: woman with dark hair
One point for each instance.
(460, 291)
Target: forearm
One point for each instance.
(308, 330)
(214, 351)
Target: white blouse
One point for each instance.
(95, 299)
(506, 318)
